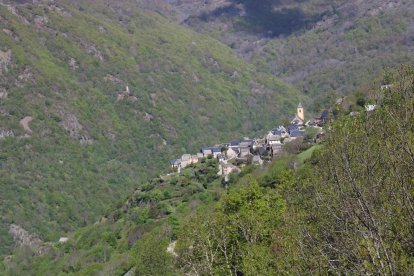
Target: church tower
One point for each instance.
(300, 112)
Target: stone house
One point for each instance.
(175, 163)
(234, 144)
(206, 151)
(280, 131)
(296, 134)
(257, 160)
(232, 153)
(221, 157)
(215, 152)
(225, 169)
(188, 159)
(244, 152)
(272, 139)
(274, 149)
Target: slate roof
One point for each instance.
(261, 150)
(215, 150)
(324, 115)
(276, 148)
(297, 133)
(293, 128)
(175, 162)
(278, 132)
(206, 150)
(273, 137)
(246, 143)
(234, 143)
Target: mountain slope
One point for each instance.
(321, 47)
(95, 97)
(343, 206)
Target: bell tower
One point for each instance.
(300, 112)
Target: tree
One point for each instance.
(151, 254)
(364, 192)
(235, 238)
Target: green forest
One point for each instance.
(323, 48)
(113, 94)
(98, 97)
(346, 208)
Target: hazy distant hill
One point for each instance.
(94, 97)
(322, 47)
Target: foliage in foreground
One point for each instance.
(346, 210)
(136, 233)
(349, 208)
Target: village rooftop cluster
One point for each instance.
(235, 154)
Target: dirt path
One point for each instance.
(25, 123)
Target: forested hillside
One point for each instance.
(322, 47)
(348, 210)
(96, 96)
(345, 210)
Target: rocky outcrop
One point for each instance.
(5, 60)
(73, 64)
(41, 21)
(85, 140)
(11, 34)
(3, 94)
(63, 239)
(24, 77)
(70, 123)
(6, 133)
(113, 79)
(24, 238)
(25, 124)
(92, 50)
(76, 131)
(148, 117)
(13, 10)
(125, 95)
(59, 10)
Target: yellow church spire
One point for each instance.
(300, 112)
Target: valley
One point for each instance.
(97, 99)
(326, 49)
(143, 137)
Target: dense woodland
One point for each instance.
(348, 210)
(114, 93)
(345, 209)
(97, 96)
(323, 48)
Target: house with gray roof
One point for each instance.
(274, 149)
(272, 139)
(175, 163)
(215, 152)
(294, 134)
(206, 151)
(232, 153)
(188, 159)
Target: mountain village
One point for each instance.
(232, 156)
